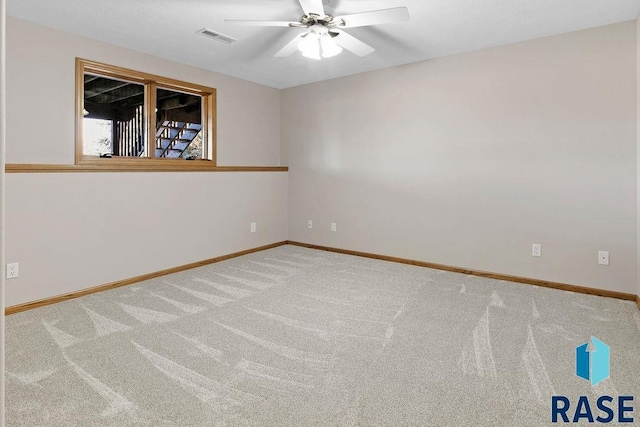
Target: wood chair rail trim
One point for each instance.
(159, 166)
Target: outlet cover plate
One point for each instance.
(12, 270)
(536, 249)
(603, 257)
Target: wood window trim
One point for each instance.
(151, 82)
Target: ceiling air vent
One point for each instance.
(216, 36)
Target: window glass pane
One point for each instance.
(113, 121)
(178, 125)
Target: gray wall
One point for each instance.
(468, 160)
(3, 23)
(464, 160)
(73, 231)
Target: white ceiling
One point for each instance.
(167, 28)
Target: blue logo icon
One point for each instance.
(592, 363)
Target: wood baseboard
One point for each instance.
(479, 273)
(72, 295)
(544, 283)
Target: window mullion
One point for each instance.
(210, 119)
(150, 101)
(204, 106)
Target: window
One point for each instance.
(125, 117)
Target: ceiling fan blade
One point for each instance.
(375, 17)
(312, 6)
(352, 44)
(290, 48)
(242, 22)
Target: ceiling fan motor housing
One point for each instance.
(314, 19)
(318, 29)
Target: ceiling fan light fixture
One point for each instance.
(329, 47)
(318, 43)
(310, 46)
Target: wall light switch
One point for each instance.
(309, 224)
(603, 257)
(334, 227)
(253, 227)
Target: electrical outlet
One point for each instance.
(309, 224)
(12, 270)
(333, 227)
(536, 249)
(603, 257)
(253, 227)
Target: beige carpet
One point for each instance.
(293, 336)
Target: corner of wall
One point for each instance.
(3, 50)
(638, 157)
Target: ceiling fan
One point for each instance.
(324, 36)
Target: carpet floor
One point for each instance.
(296, 337)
